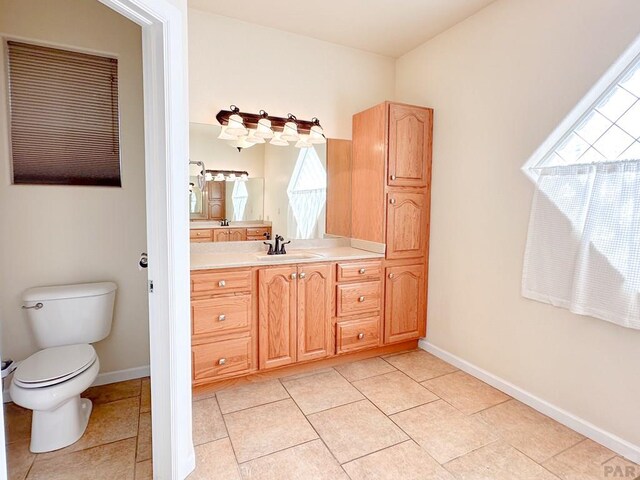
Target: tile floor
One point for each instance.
(116, 444)
(407, 416)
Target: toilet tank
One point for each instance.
(70, 314)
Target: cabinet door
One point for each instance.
(314, 312)
(405, 302)
(410, 130)
(220, 235)
(237, 234)
(216, 199)
(277, 316)
(407, 225)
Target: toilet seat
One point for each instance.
(52, 366)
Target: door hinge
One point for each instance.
(150, 286)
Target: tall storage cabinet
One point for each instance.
(391, 199)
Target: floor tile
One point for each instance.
(106, 462)
(19, 459)
(443, 431)
(356, 429)
(113, 391)
(145, 395)
(497, 461)
(144, 470)
(17, 423)
(308, 373)
(589, 460)
(420, 365)
(309, 461)
(262, 430)
(321, 392)
(531, 432)
(208, 424)
(369, 367)
(406, 461)
(394, 392)
(215, 461)
(144, 450)
(251, 395)
(109, 422)
(466, 393)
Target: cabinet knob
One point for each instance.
(222, 361)
(302, 275)
(391, 275)
(360, 336)
(361, 299)
(294, 276)
(222, 318)
(222, 283)
(392, 201)
(393, 177)
(361, 271)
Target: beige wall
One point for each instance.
(500, 82)
(232, 62)
(57, 234)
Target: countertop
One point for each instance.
(245, 256)
(216, 224)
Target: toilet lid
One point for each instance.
(54, 365)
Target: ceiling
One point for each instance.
(385, 27)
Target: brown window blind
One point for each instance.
(64, 116)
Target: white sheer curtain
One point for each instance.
(307, 192)
(583, 245)
(240, 195)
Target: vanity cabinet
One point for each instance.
(390, 204)
(200, 235)
(216, 192)
(294, 314)
(229, 234)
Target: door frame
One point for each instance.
(166, 119)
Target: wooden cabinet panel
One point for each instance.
(356, 298)
(220, 235)
(359, 271)
(405, 303)
(314, 311)
(237, 234)
(410, 131)
(221, 315)
(407, 225)
(338, 220)
(200, 235)
(277, 316)
(358, 334)
(258, 232)
(216, 200)
(220, 282)
(219, 358)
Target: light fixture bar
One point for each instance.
(277, 123)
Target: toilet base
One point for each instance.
(59, 428)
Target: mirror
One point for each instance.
(285, 187)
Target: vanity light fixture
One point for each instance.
(290, 129)
(226, 136)
(254, 138)
(278, 141)
(316, 134)
(304, 142)
(228, 175)
(264, 126)
(235, 123)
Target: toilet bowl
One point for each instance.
(50, 383)
(65, 320)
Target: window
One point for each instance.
(239, 196)
(64, 116)
(307, 192)
(583, 243)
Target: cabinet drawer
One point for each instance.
(354, 298)
(221, 315)
(229, 281)
(200, 235)
(220, 358)
(359, 271)
(257, 231)
(358, 334)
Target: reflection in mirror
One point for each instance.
(286, 186)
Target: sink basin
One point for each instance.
(288, 256)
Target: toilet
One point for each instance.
(65, 320)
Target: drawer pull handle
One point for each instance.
(360, 336)
(222, 318)
(392, 201)
(361, 271)
(361, 299)
(222, 283)
(391, 275)
(293, 276)
(222, 361)
(303, 275)
(393, 177)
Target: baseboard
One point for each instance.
(102, 378)
(608, 439)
